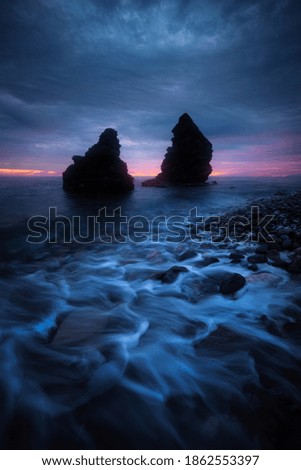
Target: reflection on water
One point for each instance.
(97, 353)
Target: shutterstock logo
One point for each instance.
(114, 227)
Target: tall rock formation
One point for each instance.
(187, 161)
(101, 170)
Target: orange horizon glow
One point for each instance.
(26, 172)
(219, 173)
(140, 175)
(151, 172)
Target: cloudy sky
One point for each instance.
(71, 68)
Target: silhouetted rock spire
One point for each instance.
(100, 170)
(187, 161)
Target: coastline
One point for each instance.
(186, 333)
(278, 233)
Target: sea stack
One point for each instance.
(101, 170)
(187, 161)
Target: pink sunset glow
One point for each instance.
(265, 154)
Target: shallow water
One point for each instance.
(97, 353)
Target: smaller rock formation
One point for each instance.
(187, 161)
(101, 170)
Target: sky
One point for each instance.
(70, 69)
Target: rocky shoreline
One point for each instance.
(283, 248)
(244, 246)
(106, 327)
(250, 291)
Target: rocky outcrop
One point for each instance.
(187, 161)
(101, 170)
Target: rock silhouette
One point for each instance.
(101, 170)
(187, 161)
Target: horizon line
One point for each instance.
(19, 172)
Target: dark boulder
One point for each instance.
(101, 170)
(262, 249)
(235, 255)
(294, 266)
(280, 264)
(187, 161)
(170, 276)
(232, 283)
(187, 255)
(257, 258)
(253, 267)
(196, 289)
(273, 255)
(207, 261)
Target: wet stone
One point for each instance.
(253, 267)
(267, 278)
(232, 283)
(262, 249)
(207, 261)
(169, 276)
(187, 255)
(258, 258)
(236, 255)
(273, 255)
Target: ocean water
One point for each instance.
(96, 353)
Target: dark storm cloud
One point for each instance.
(70, 69)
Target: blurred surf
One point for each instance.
(97, 353)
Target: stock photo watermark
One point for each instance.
(114, 227)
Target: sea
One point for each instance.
(97, 353)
